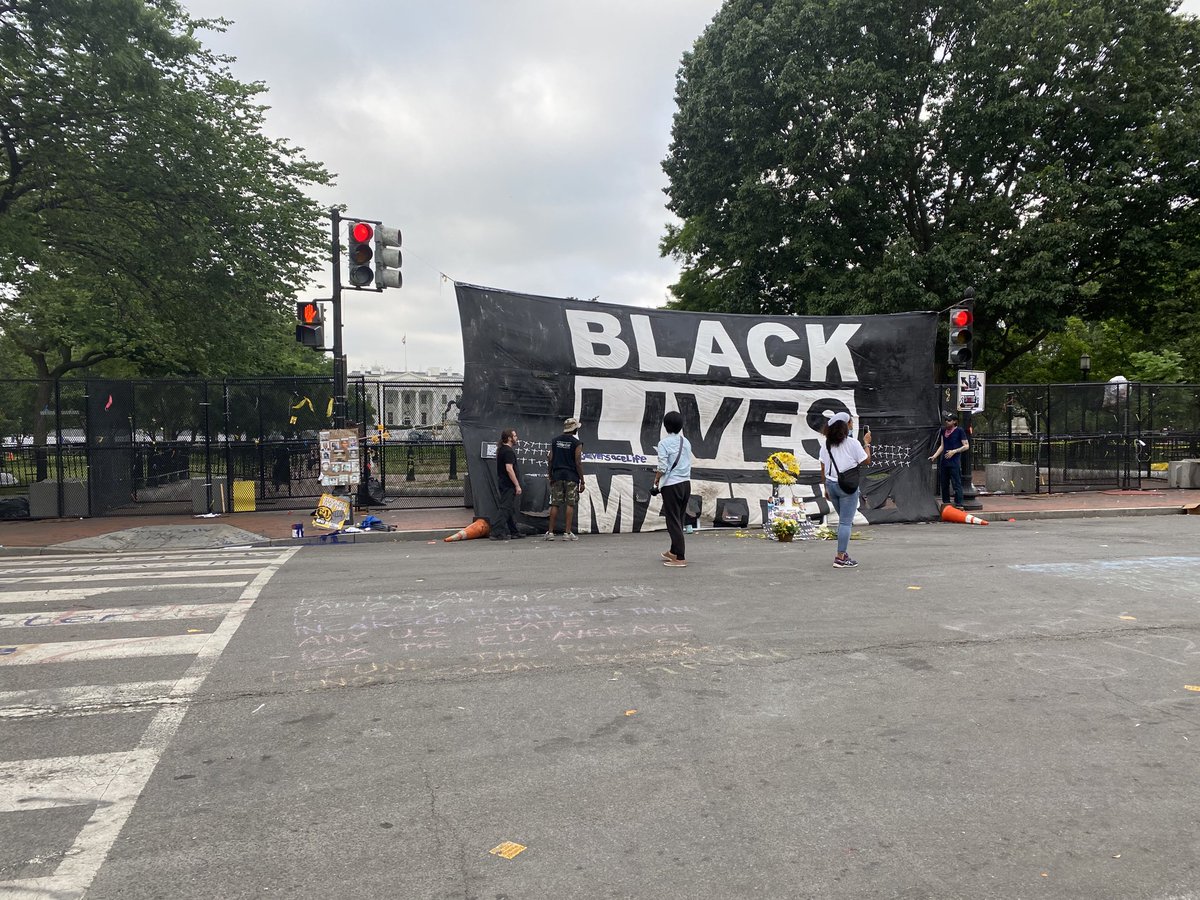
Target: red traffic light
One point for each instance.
(310, 313)
(960, 318)
(361, 231)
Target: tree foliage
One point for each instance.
(144, 214)
(869, 156)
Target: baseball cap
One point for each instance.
(571, 425)
(839, 417)
(951, 415)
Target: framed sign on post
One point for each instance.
(340, 463)
(972, 385)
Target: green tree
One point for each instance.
(144, 215)
(868, 156)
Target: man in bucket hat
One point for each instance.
(952, 443)
(565, 461)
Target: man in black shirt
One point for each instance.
(508, 478)
(565, 460)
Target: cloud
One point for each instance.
(516, 144)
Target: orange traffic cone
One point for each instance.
(953, 514)
(477, 529)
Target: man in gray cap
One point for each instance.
(565, 460)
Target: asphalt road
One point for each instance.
(1001, 712)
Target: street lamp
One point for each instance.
(1085, 366)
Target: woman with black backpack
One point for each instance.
(842, 461)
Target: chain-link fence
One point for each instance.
(92, 447)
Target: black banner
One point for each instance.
(747, 386)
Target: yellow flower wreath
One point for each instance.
(783, 468)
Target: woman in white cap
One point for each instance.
(840, 457)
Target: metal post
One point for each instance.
(58, 450)
(208, 495)
(339, 360)
(970, 497)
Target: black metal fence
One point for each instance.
(92, 447)
(1087, 436)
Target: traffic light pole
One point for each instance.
(339, 360)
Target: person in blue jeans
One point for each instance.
(840, 453)
(952, 444)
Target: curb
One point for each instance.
(356, 537)
(316, 540)
(1027, 514)
(391, 537)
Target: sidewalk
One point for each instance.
(119, 533)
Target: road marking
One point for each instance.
(66, 780)
(83, 860)
(1144, 573)
(33, 562)
(84, 700)
(91, 651)
(117, 576)
(201, 566)
(67, 595)
(115, 615)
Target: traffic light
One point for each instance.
(360, 249)
(387, 257)
(962, 334)
(310, 330)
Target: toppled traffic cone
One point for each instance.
(477, 529)
(954, 514)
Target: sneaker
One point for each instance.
(844, 562)
(548, 536)
(675, 563)
(517, 536)
(570, 536)
(668, 555)
(499, 537)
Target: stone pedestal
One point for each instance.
(1010, 478)
(1184, 474)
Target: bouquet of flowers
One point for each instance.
(784, 528)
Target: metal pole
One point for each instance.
(339, 361)
(208, 473)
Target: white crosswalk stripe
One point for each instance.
(176, 587)
(88, 699)
(116, 576)
(114, 615)
(90, 651)
(66, 595)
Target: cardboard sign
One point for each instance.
(332, 512)
(340, 464)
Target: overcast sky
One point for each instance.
(516, 144)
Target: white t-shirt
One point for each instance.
(848, 454)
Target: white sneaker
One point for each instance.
(548, 536)
(571, 536)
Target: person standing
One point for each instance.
(673, 478)
(952, 443)
(839, 455)
(508, 478)
(565, 461)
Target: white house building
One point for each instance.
(416, 400)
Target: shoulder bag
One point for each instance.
(848, 480)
